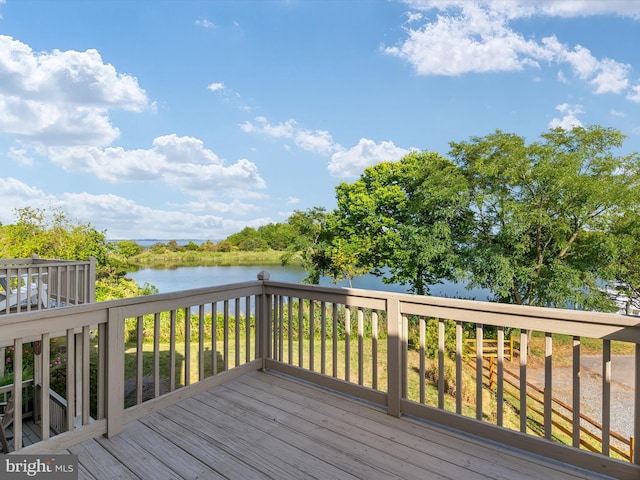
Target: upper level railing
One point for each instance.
(124, 359)
(35, 283)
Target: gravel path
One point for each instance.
(622, 373)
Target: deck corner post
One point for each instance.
(394, 360)
(114, 389)
(263, 324)
(92, 279)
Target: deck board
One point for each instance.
(268, 426)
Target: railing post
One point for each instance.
(114, 390)
(394, 357)
(92, 279)
(262, 321)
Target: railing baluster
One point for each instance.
(139, 359)
(45, 382)
(312, 314)
(404, 353)
(214, 338)
(247, 316)
(300, 332)
(85, 375)
(422, 353)
(225, 334)
(441, 360)
(576, 392)
(459, 333)
(548, 385)
(479, 350)
(290, 329)
(17, 393)
(187, 346)
(523, 379)
(323, 337)
(201, 334)
(156, 355)
(374, 348)
(334, 339)
(172, 351)
(360, 346)
(347, 343)
(102, 369)
(71, 379)
(500, 379)
(606, 396)
(237, 315)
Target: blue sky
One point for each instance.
(194, 119)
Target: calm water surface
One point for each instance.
(186, 278)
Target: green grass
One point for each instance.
(205, 259)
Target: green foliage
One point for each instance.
(544, 213)
(54, 235)
(51, 235)
(405, 220)
(310, 244)
(127, 248)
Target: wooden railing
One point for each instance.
(34, 283)
(127, 358)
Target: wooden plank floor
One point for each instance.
(266, 426)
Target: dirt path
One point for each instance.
(622, 385)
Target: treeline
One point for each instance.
(274, 236)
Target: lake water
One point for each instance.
(186, 278)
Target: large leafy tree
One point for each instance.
(310, 242)
(406, 221)
(545, 212)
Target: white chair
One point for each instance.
(25, 292)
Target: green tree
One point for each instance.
(310, 243)
(625, 271)
(277, 235)
(127, 248)
(544, 213)
(406, 220)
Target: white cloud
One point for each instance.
(634, 96)
(292, 200)
(352, 162)
(468, 36)
(205, 23)
(527, 8)
(20, 156)
(180, 162)
(316, 141)
(15, 194)
(62, 97)
(214, 87)
(124, 218)
(569, 119)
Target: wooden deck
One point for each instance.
(263, 425)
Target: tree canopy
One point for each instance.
(547, 223)
(544, 213)
(405, 221)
